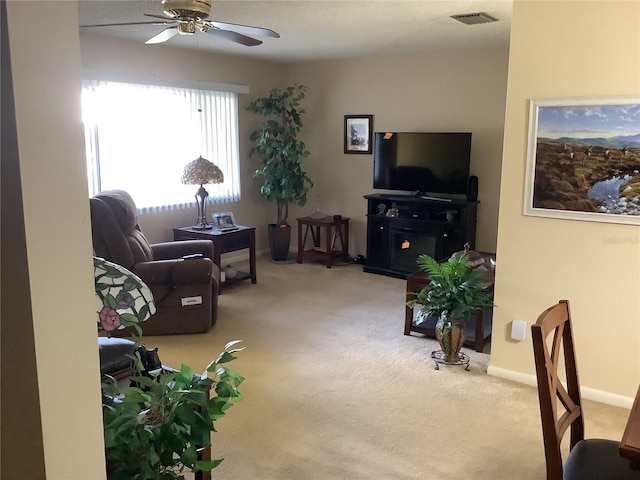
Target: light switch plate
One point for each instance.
(518, 330)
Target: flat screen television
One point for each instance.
(422, 162)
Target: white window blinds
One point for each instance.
(140, 137)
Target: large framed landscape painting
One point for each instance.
(583, 159)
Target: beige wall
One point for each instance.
(104, 53)
(46, 82)
(568, 49)
(455, 91)
(448, 91)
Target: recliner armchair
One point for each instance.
(181, 275)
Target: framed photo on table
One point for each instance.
(224, 221)
(582, 159)
(358, 134)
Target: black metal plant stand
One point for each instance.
(439, 357)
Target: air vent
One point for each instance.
(474, 18)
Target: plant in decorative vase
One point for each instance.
(282, 155)
(455, 290)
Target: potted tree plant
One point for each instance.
(282, 156)
(455, 290)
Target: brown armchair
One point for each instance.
(181, 275)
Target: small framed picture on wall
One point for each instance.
(358, 134)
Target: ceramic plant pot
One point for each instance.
(450, 335)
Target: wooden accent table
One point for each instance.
(630, 444)
(478, 326)
(225, 242)
(335, 229)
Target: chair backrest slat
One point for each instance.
(556, 320)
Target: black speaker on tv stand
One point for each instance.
(472, 188)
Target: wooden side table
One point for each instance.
(335, 229)
(225, 242)
(478, 325)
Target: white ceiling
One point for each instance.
(319, 29)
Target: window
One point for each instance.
(140, 137)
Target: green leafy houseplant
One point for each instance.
(454, 290)
(153, 428)
(279, 150)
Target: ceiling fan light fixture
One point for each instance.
(187, 28)
(187, 9)
(474, 18)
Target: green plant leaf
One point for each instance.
(138, 329)
(186, 371)
(207, 465)
(189, 456)
(226, 357)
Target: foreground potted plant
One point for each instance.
(156, 428)
(157, 421)
(454, 291)
(282, 155)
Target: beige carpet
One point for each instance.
(334, 390)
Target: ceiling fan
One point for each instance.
(186, 16)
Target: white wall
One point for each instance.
(568, 49)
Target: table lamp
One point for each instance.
(123, 299)
(199, 172)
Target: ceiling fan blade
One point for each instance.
(165, 22)
(245, 29)
(163, 36)
(234, 37)
(161, 17)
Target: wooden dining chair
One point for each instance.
(561, 408)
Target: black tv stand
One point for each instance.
(436, 226)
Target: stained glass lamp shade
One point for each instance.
(122, 298)
(199, 172)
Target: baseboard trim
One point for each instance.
(586, 392)
(511, 375)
